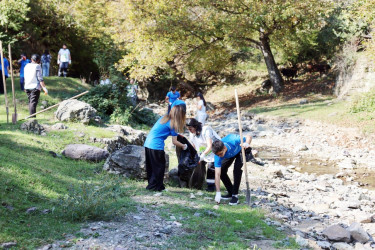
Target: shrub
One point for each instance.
(91, 202)
(365, 103)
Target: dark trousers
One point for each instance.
(22, 82)
(237, 173)
(64, 68)
(33, 95)
(210, 176)
(155, 167)
(1, 83)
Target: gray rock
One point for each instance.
(45, 103)
(85, 152)
(58, 126)
(131, 136)
(324, 244)
(337, 233)
(32, 126)
(358, 233)
(129, 161)
(7, 245)
(342, 246)
(74, 110)
(302, 241)
(166, 230)
(303, 101)
(31, 210)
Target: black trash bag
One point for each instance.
(250, 157)
(187, 160)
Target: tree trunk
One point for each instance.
(273, 71)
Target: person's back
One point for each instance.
(30, 74)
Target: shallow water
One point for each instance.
(363, 176)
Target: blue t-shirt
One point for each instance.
(6, 65)
(233, 144)
(158, 134)
(23, 64)
(173, 97)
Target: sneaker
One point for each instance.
(234, 201)
(226, 197)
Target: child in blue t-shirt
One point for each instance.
(6, 68)
(22, 62)
(226, 151)
(167, 125)
(171, 97)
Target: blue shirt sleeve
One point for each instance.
(173, 133)
(217, 161)
(169, 94)
(178, 95)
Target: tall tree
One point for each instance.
(13, 13)
(202, 34)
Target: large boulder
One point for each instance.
(74, 110)
(85, 152)
(337, 233)
(358, 233)
(32, 126)
(132, 136)
(129, 161)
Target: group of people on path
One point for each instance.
(32, 72)
(215, 152)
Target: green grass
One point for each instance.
(31, 177)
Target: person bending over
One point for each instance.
(227, 151)
(167, 125)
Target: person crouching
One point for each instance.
(34, 82)
(167, 125)
(226, 151)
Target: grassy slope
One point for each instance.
(31, 177)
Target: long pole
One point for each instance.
(248, 195)
(4, 82)
(84, 93)
(14, 116)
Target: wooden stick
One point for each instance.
(84, 93)
(14, 120)
(248, 194)
(4, 82)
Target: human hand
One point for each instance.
(184, 147)
(245, 145)
(45, 90)
(218, 197)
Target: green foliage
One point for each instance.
(364, 103)
(90, 201)
(13, 13)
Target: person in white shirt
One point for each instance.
(63, 60)
(201, 109)
(202, 138)
(34, 82)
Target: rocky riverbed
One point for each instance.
(322, 210)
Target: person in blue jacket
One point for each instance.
(171, 97)
(226, 151)
(169, 124)
(22, 62)
(6, 69)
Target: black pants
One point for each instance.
(210, 176)
(33, 95)
(237, 173)
(1, 83)
(155, 167)
(64, 68)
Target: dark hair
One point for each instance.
(202, 98)
(46, 52)
(191, 122)
(217, 146)
(173, 88)
(23, 54)
(35, 57)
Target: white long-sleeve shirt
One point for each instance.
(33, 76)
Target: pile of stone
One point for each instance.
(32, 126)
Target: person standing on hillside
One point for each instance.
(6, 70)
(171, 97)
(34, 82)
(201, 109)
(22, 62)
(132, 92)
(45, 60)
(63, 60)
(169, 124)
(226, 151)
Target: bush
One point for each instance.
(91, 202)
(365, 103)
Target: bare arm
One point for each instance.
(217, 178)
(209, 146)
(177, 143)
